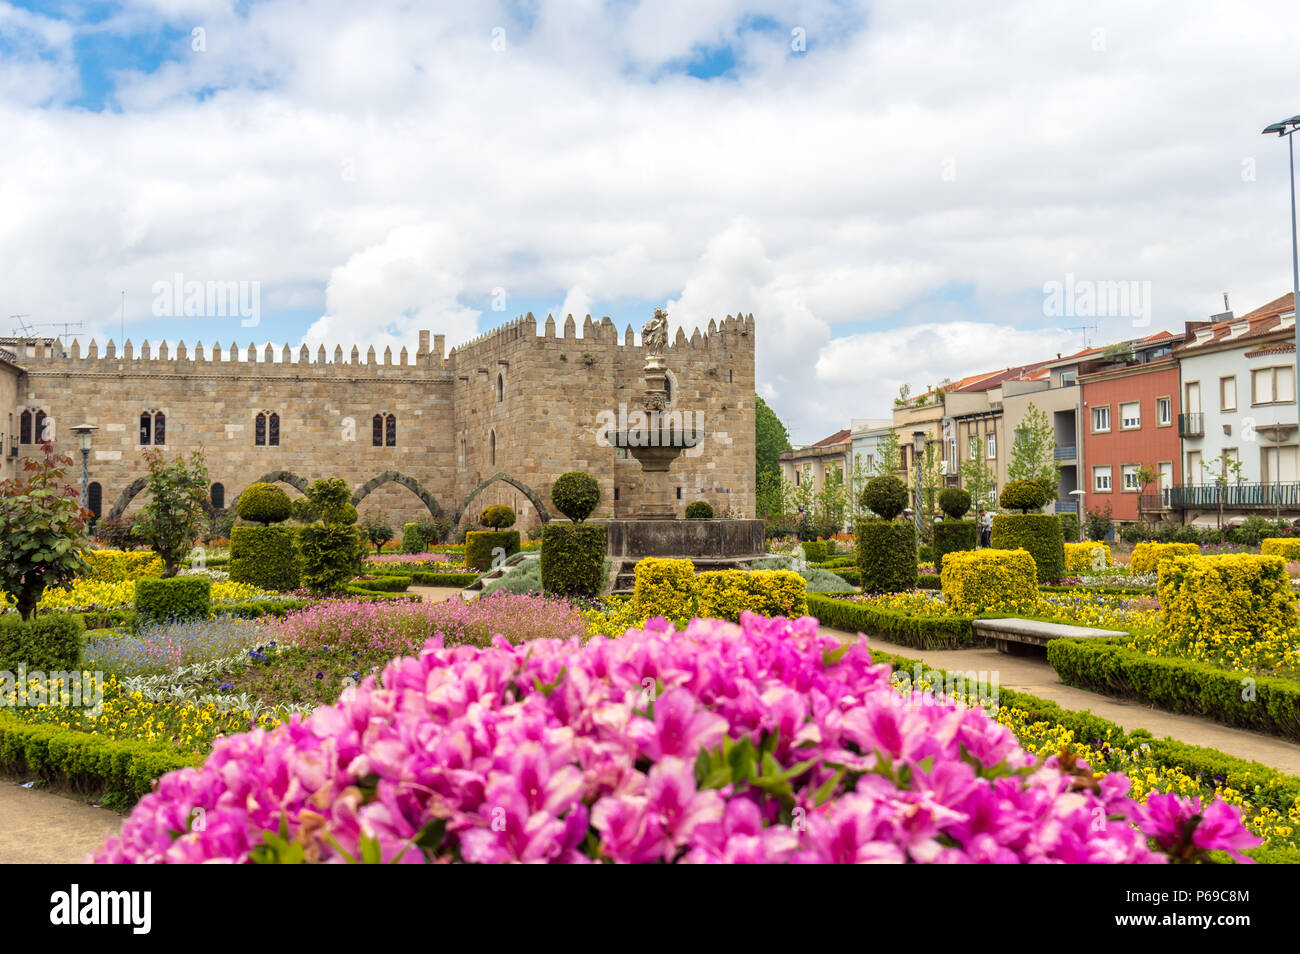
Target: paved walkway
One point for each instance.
(434, 594)
(40, 827)
(1033, 675)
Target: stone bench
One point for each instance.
(1011, 634)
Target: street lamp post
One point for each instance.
(1078, 513)
(918, 449)
(1288, 128)
(84, 433)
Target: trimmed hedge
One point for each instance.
(265, 557)
(929, 581)
(479, 545)
(120, 772)
(952, 536)
(458, 580)
(886, 556)
(699, 510)
(1087, 557)
(849, 574)
(415, 536)
(725, 594)
(1179, 685)
(573, 559)
(815, 551)
(1039, 533)
(51, 642)
(947, 632)
(575, 494)
(1288, 548)
(1069, 526)
(1233, 597)
(181, 597)
(665, 587)
(114, 566)
(389, 583)
(1146, 557)
(263, 503)
(332, 553)
(990, 581)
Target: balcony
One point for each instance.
(1159, 501)
(1191, 425)
(1067, 451)
(1284, 496)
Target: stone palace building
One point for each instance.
(495, 420)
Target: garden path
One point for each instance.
(42, 827)
(434, 594)
(1032, 674)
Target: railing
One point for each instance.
(1065, 505)
(1191, 425)
(1158, 501)
(1282, 496)
(1066, 451)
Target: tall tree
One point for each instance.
(770, 438)
(977, 477)
(1033, 454)
(888, 458)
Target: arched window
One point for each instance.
(160, 428)
(259, 429)
(218, 497)
(95, 500)
(40, 427)
(391, 432)
(273, 432)
(146, 429)
(492, 447)
(501, 388)
(25, 428)
(377, 431)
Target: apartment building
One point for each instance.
(810, 463)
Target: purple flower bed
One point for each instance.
(765, 742)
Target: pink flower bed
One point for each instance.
(409, 558)
(561, 752)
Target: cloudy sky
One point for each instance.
(888, 186)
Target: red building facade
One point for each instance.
(1131, 421)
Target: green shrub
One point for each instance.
(954, 502)
(886, 497)
(389, 583)
(177, 598)
(497, 517)
(1023, 495)
(1038, 533)
(575, 494)
(699, 510)
(725, 594)
(923, 632)
(416, 536)
(524, 577)
(1179, 685)
(480, 544)
(573, 559)
(264, 503)
(457, 580)
(814, 551)
(266, 557)
(886, 556)
(50, 643)
(331, 555)
(925, 553)
(929, 581)
(952, 536)
(1069, 526)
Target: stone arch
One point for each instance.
(393, 476)
(125, 497)
(543, 514)
(299, 484)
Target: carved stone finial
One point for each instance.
(654, 333)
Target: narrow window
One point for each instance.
(679, 493)
(25, 428)
(160, 428)
(41, 434)
(273, 431)
(94, 500)
(218, 497)
(501, 388)
(390, 432)
(146, 429)
(259, 429)
(377, 431)
(492, 447)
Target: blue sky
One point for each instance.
(886, 185)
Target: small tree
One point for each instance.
(378, 531)
(177, 512)
(977, 477)
(1033, 454)
(889, 458)
(1227, 471)
(331, 545)
(42, 530)
(1146, 476)
(831, 501)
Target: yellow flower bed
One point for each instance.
(114, 566)
(189, 726)
(87, 594)
(989, 581)
(1086, 557)
(1288, 548)
(1147, 556)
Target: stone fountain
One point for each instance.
(655, 438)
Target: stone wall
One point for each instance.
(537, 393)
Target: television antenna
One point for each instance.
(1087, 342)
(21, 326)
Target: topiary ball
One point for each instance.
(575, 495)
(1023, 495)
(954, 502)
(497, 517)
(263, 503)
(886, 497)
(699, 510)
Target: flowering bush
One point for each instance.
(89, 595)
(1147, 556)
(766, 742)
(990, 581)
(116, 565)
(1082, 557)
